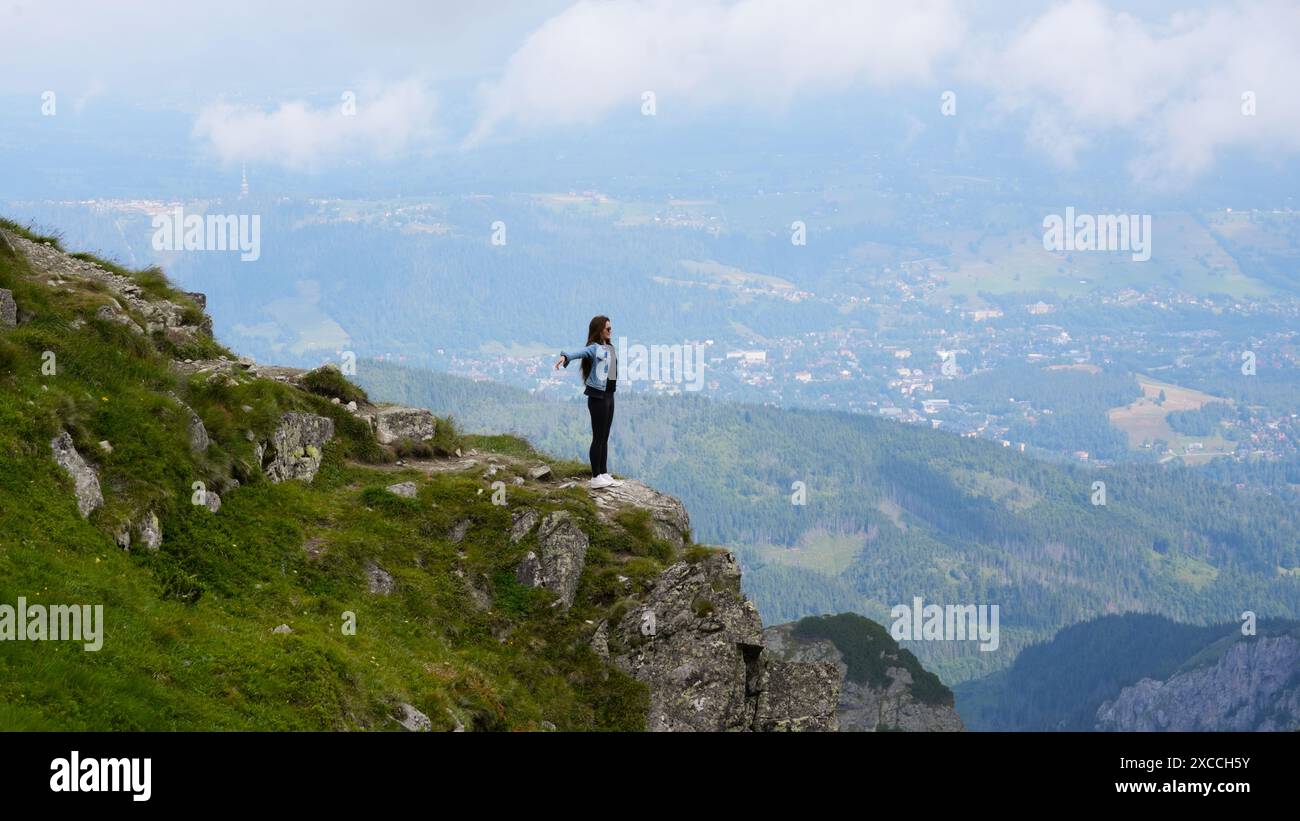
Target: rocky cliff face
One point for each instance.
(1253, 685)
(698, 643)
(864, 705)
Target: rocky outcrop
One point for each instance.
(112, 312)
(84, 478)
(157, 314)
(8, 309)
(563, 547)
(864, 705)
(295, 449)
(668, 518)
(798, 697)
(394, 423)
(1253, 685)
(697, 643)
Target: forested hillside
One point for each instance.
(894, 512)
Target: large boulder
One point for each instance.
(393, 423)
(668, 518)
(563, 547)
(84, 478)
(295, 449)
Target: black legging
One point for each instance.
(601, 409)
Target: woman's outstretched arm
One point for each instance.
(584, 353)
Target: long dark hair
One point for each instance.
(595, 331)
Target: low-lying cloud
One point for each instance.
(384, 121)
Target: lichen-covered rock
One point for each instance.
(798, 697)
(1253, 685)
(563, 547)
(521, 524)
(8, 309)
(84, 478)
(696, 641)
(212, 500)
(529, 572)
(668, 518)
(394, 423)
(148, 531)
(296, 448)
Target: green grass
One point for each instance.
(188, 642)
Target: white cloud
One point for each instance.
(387, 120)
(594, 58)
(1080, 71)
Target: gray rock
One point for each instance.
(393, 423)
(198, 433)
(123, 536)
(522, 523)
(8, 309)
(696, 642)
(600, 641)
(282, 630)
(798, 697)
(414, 720)
(148, 531)
(529, 573)
(114, 313)
(378, 580)
(295, 449)
(1253, 685)
(213, 500)
(539, 472)
(407, 490)
(668, 518)
(84, 478)
(563, 548)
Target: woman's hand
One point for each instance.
(562, 362)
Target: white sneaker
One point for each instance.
(603, 480)
(612, 481)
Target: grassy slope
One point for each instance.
(187, 638)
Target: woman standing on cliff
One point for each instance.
(600, 376)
